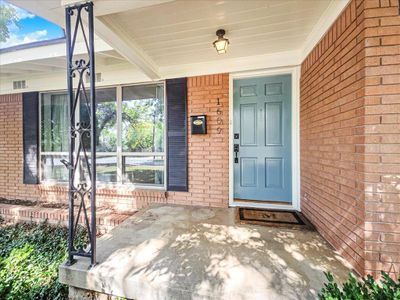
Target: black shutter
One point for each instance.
(177, 147)
(30, 119)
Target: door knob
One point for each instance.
(236, 150)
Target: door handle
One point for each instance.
(236, 150)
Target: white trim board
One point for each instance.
(295, 72)
(229, 65)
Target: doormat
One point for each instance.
(274, 218)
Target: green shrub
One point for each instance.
(29, 258)
(366, 289)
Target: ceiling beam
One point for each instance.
(103, 7)
(50, 10)
(234, 65)
(31, 67)
(113, 34)
(108, 29)
(56, 63)
(111, 55)
(13, 70)
(43, 66)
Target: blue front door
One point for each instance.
(262, 138)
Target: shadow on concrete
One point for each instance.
(176, 252)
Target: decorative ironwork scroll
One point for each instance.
(82, 112)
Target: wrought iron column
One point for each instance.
(82, 133)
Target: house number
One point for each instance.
(220, 120)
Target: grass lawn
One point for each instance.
(29, 258)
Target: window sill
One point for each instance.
(101, 185)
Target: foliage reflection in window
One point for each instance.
(106, 132)
(143, 118)
(143, 134)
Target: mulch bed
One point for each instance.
(32, 203)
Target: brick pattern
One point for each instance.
(120, 198)
(208, 154)
(11, 156)
(11, 169)
(382, 137)
(331, 98)
(350, 135)
(106, 219)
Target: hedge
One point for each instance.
(29, 258)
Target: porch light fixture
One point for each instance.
(221, 44)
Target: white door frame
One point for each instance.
(295, 72)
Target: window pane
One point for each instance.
(143, 118)
(53, 169)
(54, 123)
(106, 119)
(106, 168)
(144, 170)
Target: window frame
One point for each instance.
(119, 152)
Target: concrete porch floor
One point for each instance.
(182, 252)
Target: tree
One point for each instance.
(106, 114)
(8, 16)
(142, 125)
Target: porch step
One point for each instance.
(107, 219)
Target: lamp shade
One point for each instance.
(221, 44)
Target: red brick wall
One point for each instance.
(331, 98)
(208, 156)
(11, 168)
(350, 136)
(382, 136)
(106, 219)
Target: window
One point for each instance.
(18, 85)
(129, 136)
(54, 136)
(143, 134)
(106, 133)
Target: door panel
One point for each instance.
(262, 118)
(248, 90)
(248, 171)
(273, 89)
(273, 124)
(248, 113)
(274, 172)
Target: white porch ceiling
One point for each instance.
(182, 32)
(167, 38)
